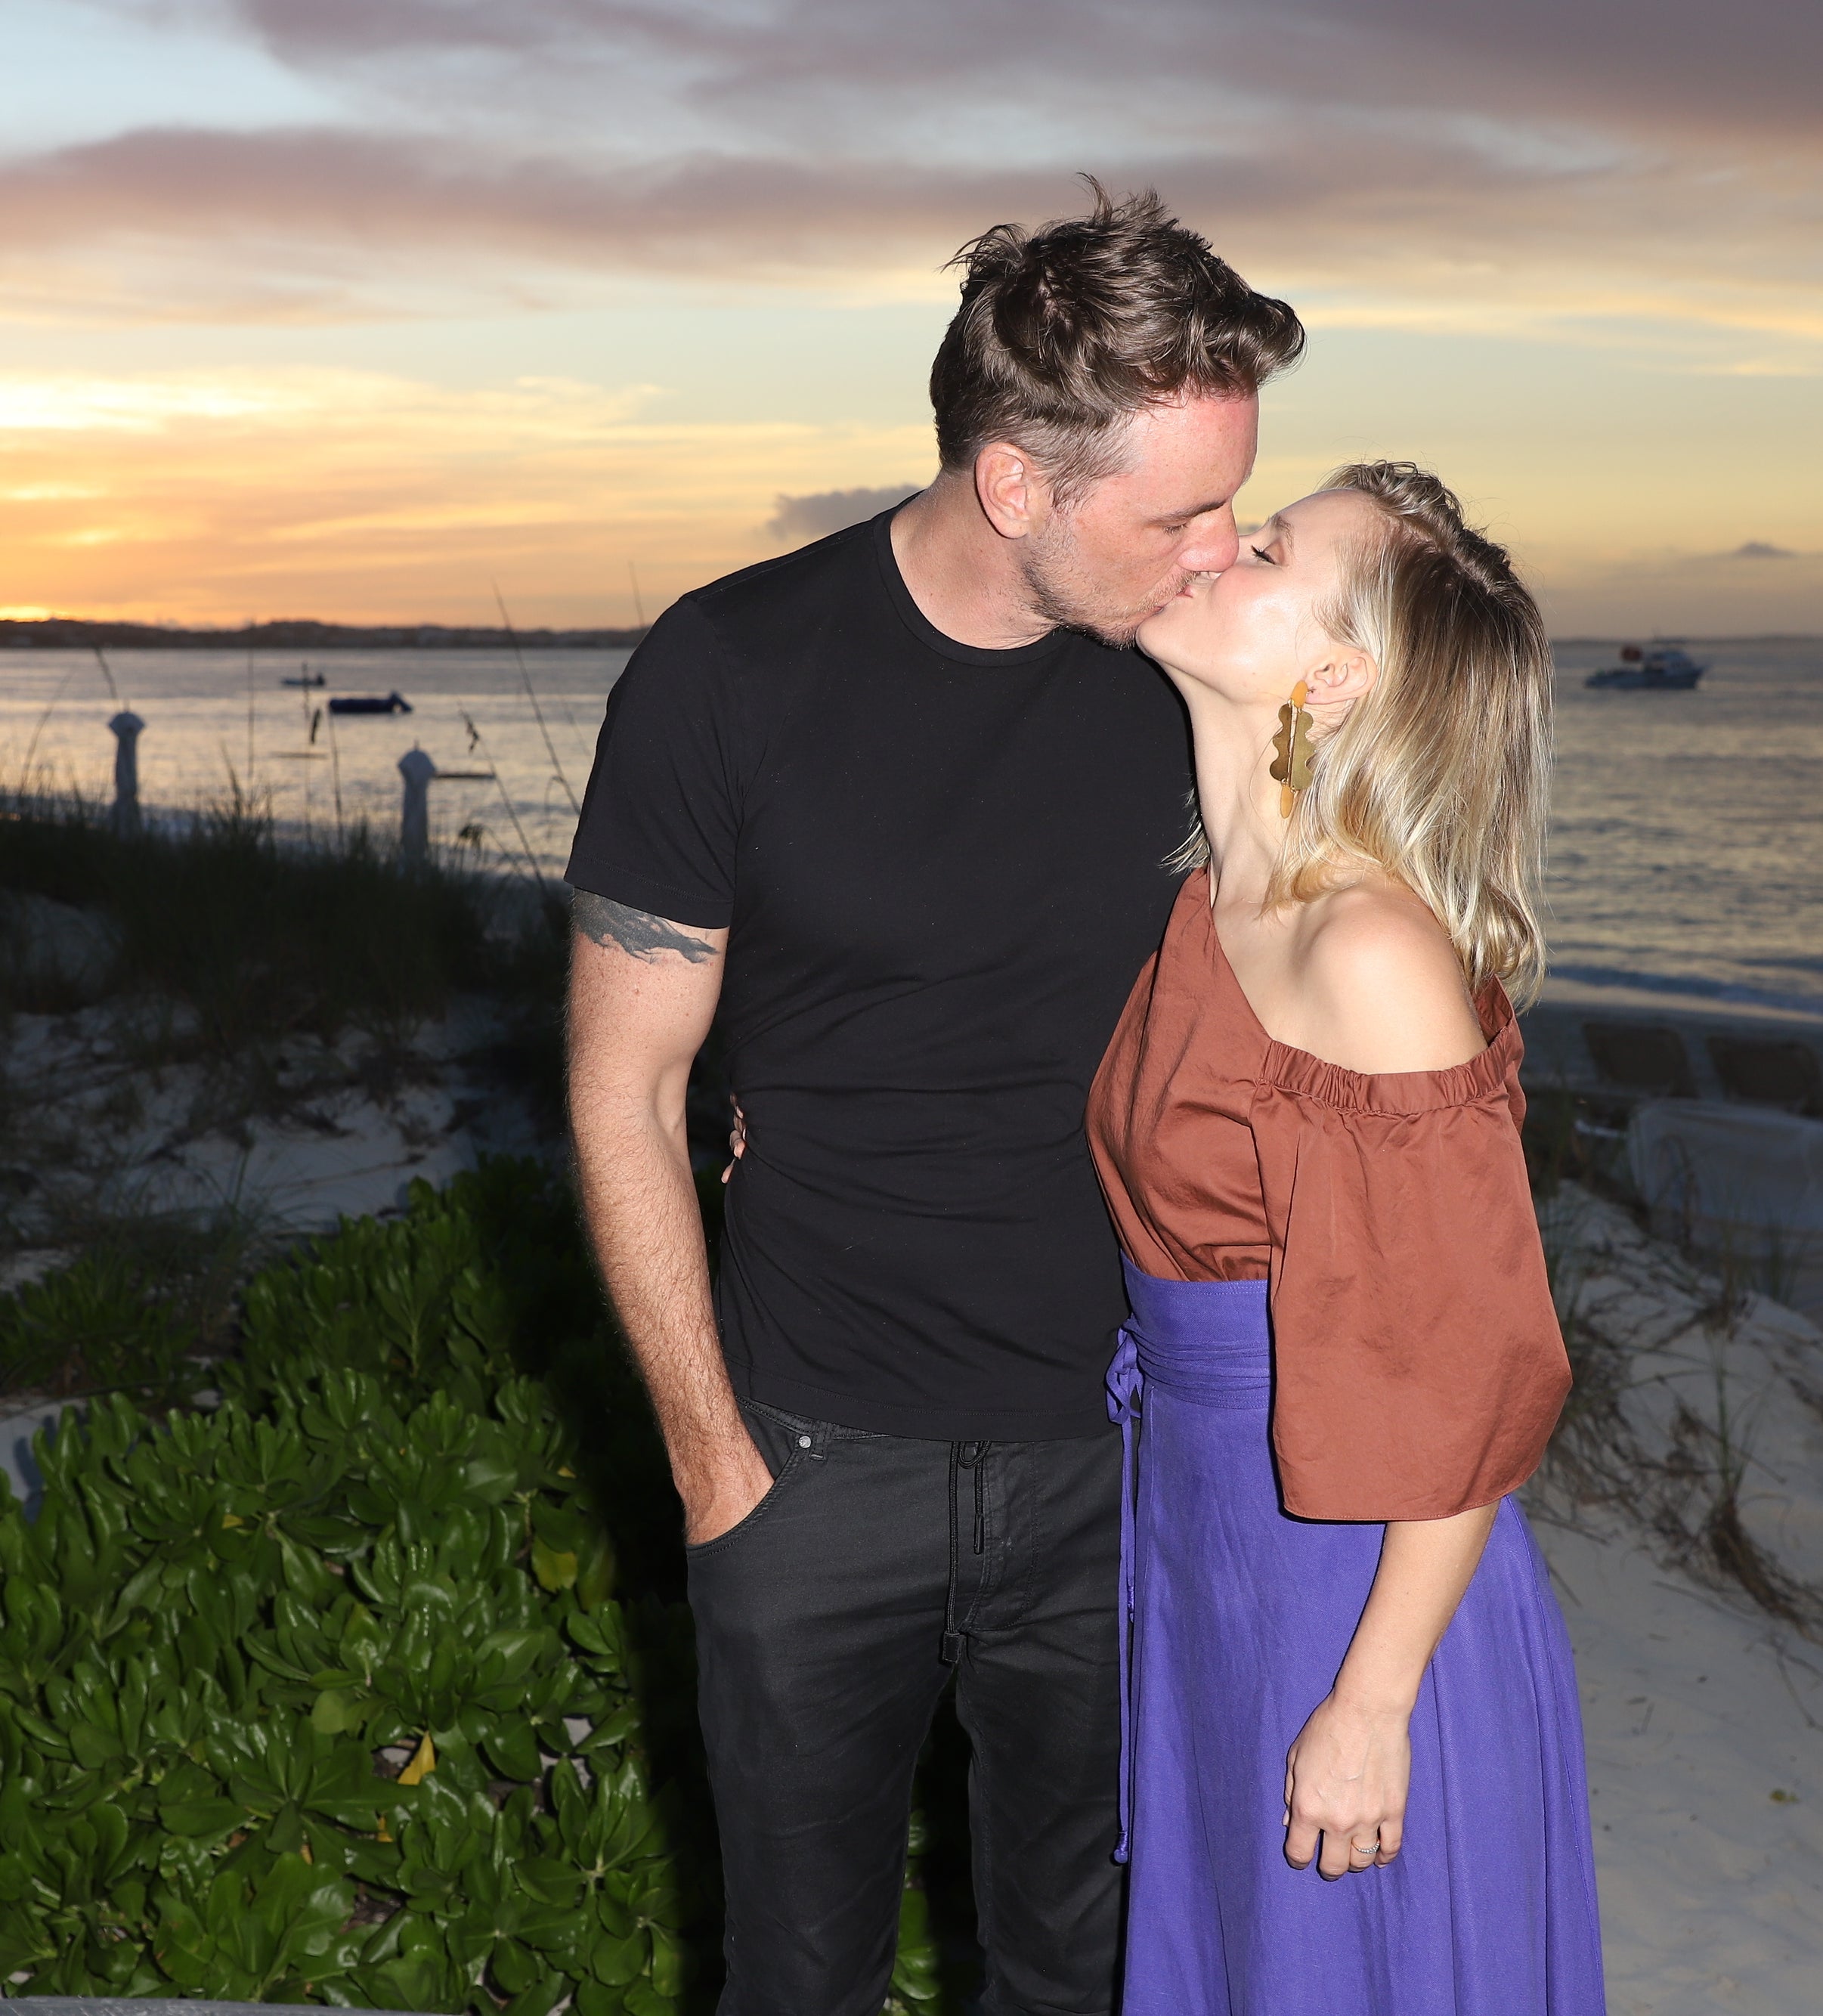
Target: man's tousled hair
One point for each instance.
(1065, 331)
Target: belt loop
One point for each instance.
(950, 1650)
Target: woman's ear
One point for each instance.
(1336, 678)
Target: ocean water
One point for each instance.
(1687, 852)
(1687, 828)
(216, 724)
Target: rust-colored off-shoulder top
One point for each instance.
(1418, 1365)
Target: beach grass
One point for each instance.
(272, 975)
(214, 941)
(261, 939)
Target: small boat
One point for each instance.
(369, 703)
(307, 678)
(1658, 668)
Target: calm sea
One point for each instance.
(1687, 857)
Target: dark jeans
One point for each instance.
(822, 1624)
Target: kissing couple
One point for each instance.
(1131, 1310)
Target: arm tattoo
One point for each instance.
(638, 932)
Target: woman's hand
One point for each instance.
(1348, 1772)
(1346, 1781)
(737, 1139)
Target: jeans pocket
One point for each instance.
(746, 1523)
(784, 1442)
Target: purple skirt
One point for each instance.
(1240, 1617)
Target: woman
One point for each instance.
(1345, 1651)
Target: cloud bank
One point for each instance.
(1569, 254)
(797, 520)
(1644, 158)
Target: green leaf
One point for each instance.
(514, 1967)
(615, 1962)
(540, 1998)
(668, 1962)
(554, 1571)
(550, 1881)
(595, 1581)
(643, 2000)
(511, 1747)
(40, 1731)
(94, 1746)
(337, 1710)
(491, 1478)
(201, 1817)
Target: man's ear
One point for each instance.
(1014, 497)
(1336, 678)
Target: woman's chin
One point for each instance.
(1154, 634)
(1167, 635)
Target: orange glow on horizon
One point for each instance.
(365, 497)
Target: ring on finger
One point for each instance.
(1367, 1850)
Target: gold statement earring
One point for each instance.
(1291, 765)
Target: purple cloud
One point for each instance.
(1353, 140)
(1629, 60)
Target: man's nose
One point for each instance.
(1214, 547)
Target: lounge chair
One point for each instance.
(1769, 1071)
(1646, 1057)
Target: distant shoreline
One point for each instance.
(1689, 637)
(302, 634)
(67, 633)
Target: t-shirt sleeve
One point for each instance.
(659, 826)
(1419, 1364)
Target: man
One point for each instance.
(898, 807)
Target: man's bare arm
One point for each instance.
(641, 935)
(642, 994)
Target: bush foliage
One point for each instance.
(339, 1692)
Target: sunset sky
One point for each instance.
(351, 308)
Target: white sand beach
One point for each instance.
(1703, 1712)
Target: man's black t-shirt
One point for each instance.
(942, 868)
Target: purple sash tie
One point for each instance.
(1206, 1342)
(1124, 1387)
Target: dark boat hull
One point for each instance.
(369, 703)
(1630, 679)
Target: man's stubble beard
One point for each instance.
(1067, 597)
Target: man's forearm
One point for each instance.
(640, 1204)
(642, 991)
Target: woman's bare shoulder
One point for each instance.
(1383, 988)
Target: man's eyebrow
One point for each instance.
(1196, 511)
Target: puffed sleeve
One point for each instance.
(1419, 1368)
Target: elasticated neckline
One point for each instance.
(1481, 1077)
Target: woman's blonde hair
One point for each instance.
(1439, 776)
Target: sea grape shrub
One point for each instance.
(330, 1706)
(485, 1280)
(325, 1696)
